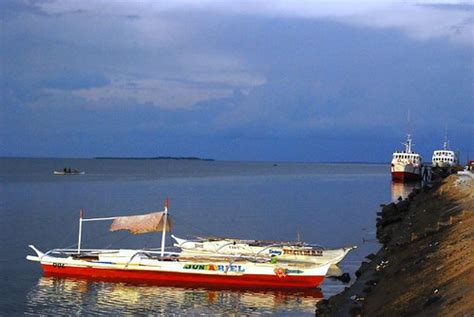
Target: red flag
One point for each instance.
(166, 202)
(81, 214)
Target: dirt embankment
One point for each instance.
(426, 264)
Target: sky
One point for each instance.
(312, 81)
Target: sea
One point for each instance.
(332, 205)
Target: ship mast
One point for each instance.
(163, 235)
(446, 141)
(409, 144)
(446, 144)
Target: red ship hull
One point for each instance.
(186, 279)
(405, 177)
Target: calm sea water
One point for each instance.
(329, 204)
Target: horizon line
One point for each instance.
(186, 158)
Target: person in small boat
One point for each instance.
(65, 170)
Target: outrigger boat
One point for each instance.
(174, 268)
(281, 251)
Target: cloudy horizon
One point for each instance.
(237, 80)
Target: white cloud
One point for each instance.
(423, 19)
(418, 19)
(141, 42)
(167, 94)
(422, 22)
(201, 77)
(218, 69)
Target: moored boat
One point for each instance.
(406, 165)
(445, 158)
(281, 251)
(172, 267)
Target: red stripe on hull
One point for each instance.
(405, 177)
(186, 279)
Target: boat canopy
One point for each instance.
(152, 222)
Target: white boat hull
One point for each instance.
(287, 254)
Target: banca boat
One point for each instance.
(281, 251)
(173, 268)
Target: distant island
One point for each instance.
(189, 158)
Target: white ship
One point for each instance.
(406, 165)
(445, 158)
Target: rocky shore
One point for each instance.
(426, 264)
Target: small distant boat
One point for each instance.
(172, 267)
(406, 165)
(72, 172)
(445, 158)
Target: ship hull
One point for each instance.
(185, 279)
(405, 177)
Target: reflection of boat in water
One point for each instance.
(172, 268)
(281, 251)
(53, 295)
(403, 189)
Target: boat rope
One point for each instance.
(96, 238)
(189, 225)
(125, 237)
(66, 239)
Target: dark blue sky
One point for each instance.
(239, 80)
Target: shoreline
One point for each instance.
(426, 262)
(176, 158)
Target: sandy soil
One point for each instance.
(426, 265)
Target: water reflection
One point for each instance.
(66, 296)
(403, 189)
